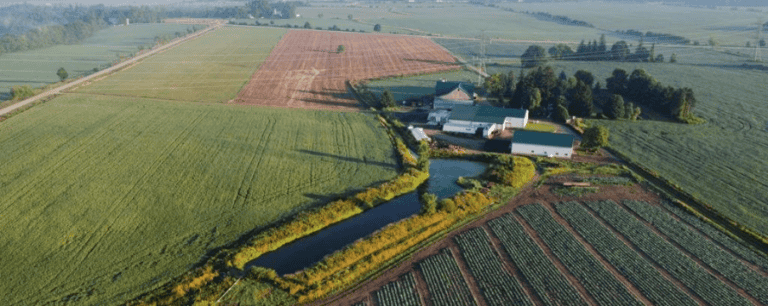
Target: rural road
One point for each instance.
(107, 71)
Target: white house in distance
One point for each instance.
(484, 120)
(543, 144)
(450, 94)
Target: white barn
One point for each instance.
(542, 144)
(438, 116)
(450, 94)
(484, 120)
(418, 133)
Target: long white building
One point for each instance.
(542, 144)
(484, 120)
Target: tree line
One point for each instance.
(548, 95)
(620, 51)
(659, 37)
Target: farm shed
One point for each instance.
(418, 133)
(540, 143)
(484, 120)
(450, 94)
(438, 117)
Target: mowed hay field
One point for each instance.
(105, 197)
(306, 71)
(38, 67)
(212, 68)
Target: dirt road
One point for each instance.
(107, 71)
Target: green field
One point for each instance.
(105, 197)
(212, 68)
(38, 67)
(416, 86)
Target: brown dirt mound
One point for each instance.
(305, 71)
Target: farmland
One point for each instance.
(108, 197)
(38, 67)
(306, 71)
(212, 68)
(595, 252)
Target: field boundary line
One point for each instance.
(104, 72)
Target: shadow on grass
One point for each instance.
(349, 159)
(497, 145)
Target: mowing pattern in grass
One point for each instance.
(496, 284)
(668, 256)
(551, 286)
(445, 283)
(212, 68)
(707, 251)
(637, 270)
(108, 197)
(38, 67)
(717, 235)
(596, 279)
(398, 293)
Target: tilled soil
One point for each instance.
(305, 70)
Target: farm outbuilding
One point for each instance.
(418, 133)
(542, 144)
(451, 94)
(438, 117)
(484, 120)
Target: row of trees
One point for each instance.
(558, 97)
(593, 51)
(265, 9)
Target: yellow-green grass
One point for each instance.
(541, 127)
(212, 68)
(105, 198)
(37, 68)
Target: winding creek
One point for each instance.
(307, 251)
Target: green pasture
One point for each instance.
(723, 161)
(727, 26)
(421, 85)
(212, 68)
(38, 67)
(105, 198)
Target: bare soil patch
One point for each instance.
(305, 71)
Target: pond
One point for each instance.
(307, 251)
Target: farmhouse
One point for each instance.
(450, 94)
(544, 144)
(484, 120)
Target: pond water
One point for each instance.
(307, 251)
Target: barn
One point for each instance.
(450, 94)
(418, 133)
(484, 120)
(543, 144)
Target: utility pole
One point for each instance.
(481, 64)
(758, 55)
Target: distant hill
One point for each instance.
(685, 2)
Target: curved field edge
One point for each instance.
(212, 68)
(110, 197)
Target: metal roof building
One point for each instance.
(543, 144)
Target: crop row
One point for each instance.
(630, 264)
(496, 284)
(707, 251)
(608, 180)
(669, 257)
(717, 235)
(541, 274)
(444, 281)
(399, 293)
(596, 279)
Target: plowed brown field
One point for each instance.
(305, 71)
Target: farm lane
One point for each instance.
(105, 72)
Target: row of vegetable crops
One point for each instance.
(705, 250)
(629, 263)
(496, 284)
(444, 280)
(399, 293)
(547, 282)
(598, 282)
(669, 257)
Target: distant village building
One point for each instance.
(542, 144)
(418, 133)
(482, 120)
(450, 94)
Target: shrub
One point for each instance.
(448, 206)
(428, 203)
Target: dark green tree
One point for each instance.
(595, 137)
(620, 51)
(534, 56)
(428, 203)
(581, 100)
(616, 107)
(585, 76)
(62, 73)
(340, 49)
(447, 205)
(561, 114)
(387, 99)
(652, 53)
(260, 8)
(617, 83)
(673, 58)
(377, 28)
(307, 25)
(603, 48)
